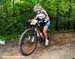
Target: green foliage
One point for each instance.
(34, 2)
(73, 8)
(51, 7)
(13, 15)
(64, 7)
(15, 22)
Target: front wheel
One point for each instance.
(28, 42)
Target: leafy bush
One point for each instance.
(13, 16)
(15, 22)
(51, 7)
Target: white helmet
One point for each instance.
(37, 7)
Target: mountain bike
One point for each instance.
(30, 37)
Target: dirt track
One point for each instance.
(62, 47)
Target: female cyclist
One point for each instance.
(43, 16)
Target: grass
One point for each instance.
(9, 37)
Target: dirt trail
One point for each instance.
(62, 47)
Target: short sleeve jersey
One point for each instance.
(42, 15)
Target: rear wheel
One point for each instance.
(28, 42)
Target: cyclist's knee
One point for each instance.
(44, 31)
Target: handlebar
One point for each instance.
(32, 22)
(38, 21)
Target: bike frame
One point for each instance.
(35, 28)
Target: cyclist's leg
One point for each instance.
(41, 34)
(45, 32)
(45, 28)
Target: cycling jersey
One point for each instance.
(42, 16)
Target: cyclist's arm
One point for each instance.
(35, 18)
(47, 17)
